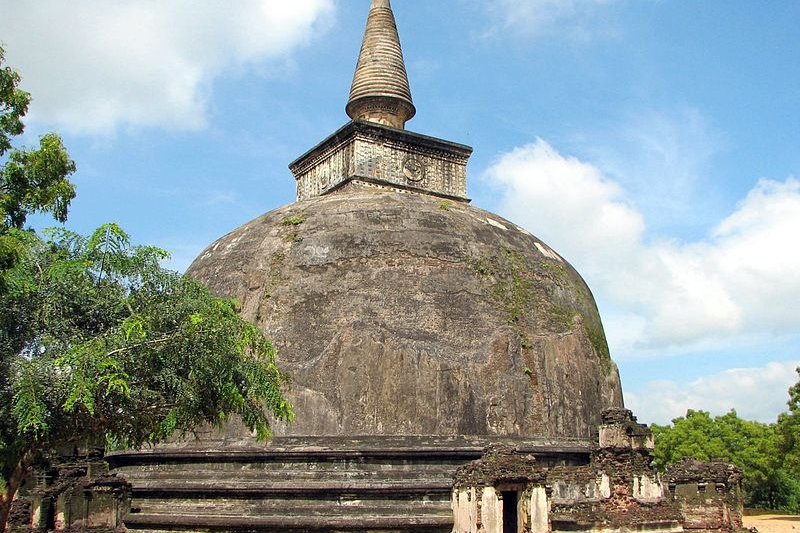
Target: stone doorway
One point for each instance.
(510, 511)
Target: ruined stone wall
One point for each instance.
(708, 494)
(618, 491)
(73, 493)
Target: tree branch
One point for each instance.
(151, 342)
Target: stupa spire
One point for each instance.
(374, 150)
(380, 92)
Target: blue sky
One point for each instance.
(654, 143)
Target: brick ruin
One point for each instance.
(619, 490)
(708, 494)
(72, 491)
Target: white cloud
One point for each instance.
(576, 19)
(93, 67)
(663, 159)
(741, 280)
(755, 394)
(544, 189)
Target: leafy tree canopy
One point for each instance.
(768, 454)
(14, 104)
(788, 428)
(31, 180)
(109, 343)
(98, 343)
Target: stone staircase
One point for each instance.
(302, 485)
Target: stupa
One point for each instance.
(418, 330)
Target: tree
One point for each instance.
(789, 431)
(98, 343)
(752, 446)
(110, 344)
(31, 181)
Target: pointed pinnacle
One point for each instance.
(380, 91)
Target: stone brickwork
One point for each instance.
(386, 157)
(708, 494)
(617, 491)
(73, 492)
(621, 430)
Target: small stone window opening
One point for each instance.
(510, 511)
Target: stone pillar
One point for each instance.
(37, 512)
(491, 512)
(539, 511)
(61, 515)
(465, 511)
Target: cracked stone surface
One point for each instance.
(402, 314)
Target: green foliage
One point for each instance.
(525, 342)
(725, 437)
(510, 287)
(752, 446)
(104, 344)
(294, 220)
(445, 205)
(293, 237)
(788, 430)
(13, 105)
(31, 181)
(123, 348)
(36, 181)
(98, 343)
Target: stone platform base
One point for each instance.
(370, 484)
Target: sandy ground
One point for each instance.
(773, 523)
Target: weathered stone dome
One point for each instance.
(405, 314)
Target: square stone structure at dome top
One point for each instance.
(384, 157)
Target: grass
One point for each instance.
(294, 220)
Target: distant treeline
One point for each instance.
(768, 454)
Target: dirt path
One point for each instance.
(773, 523)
